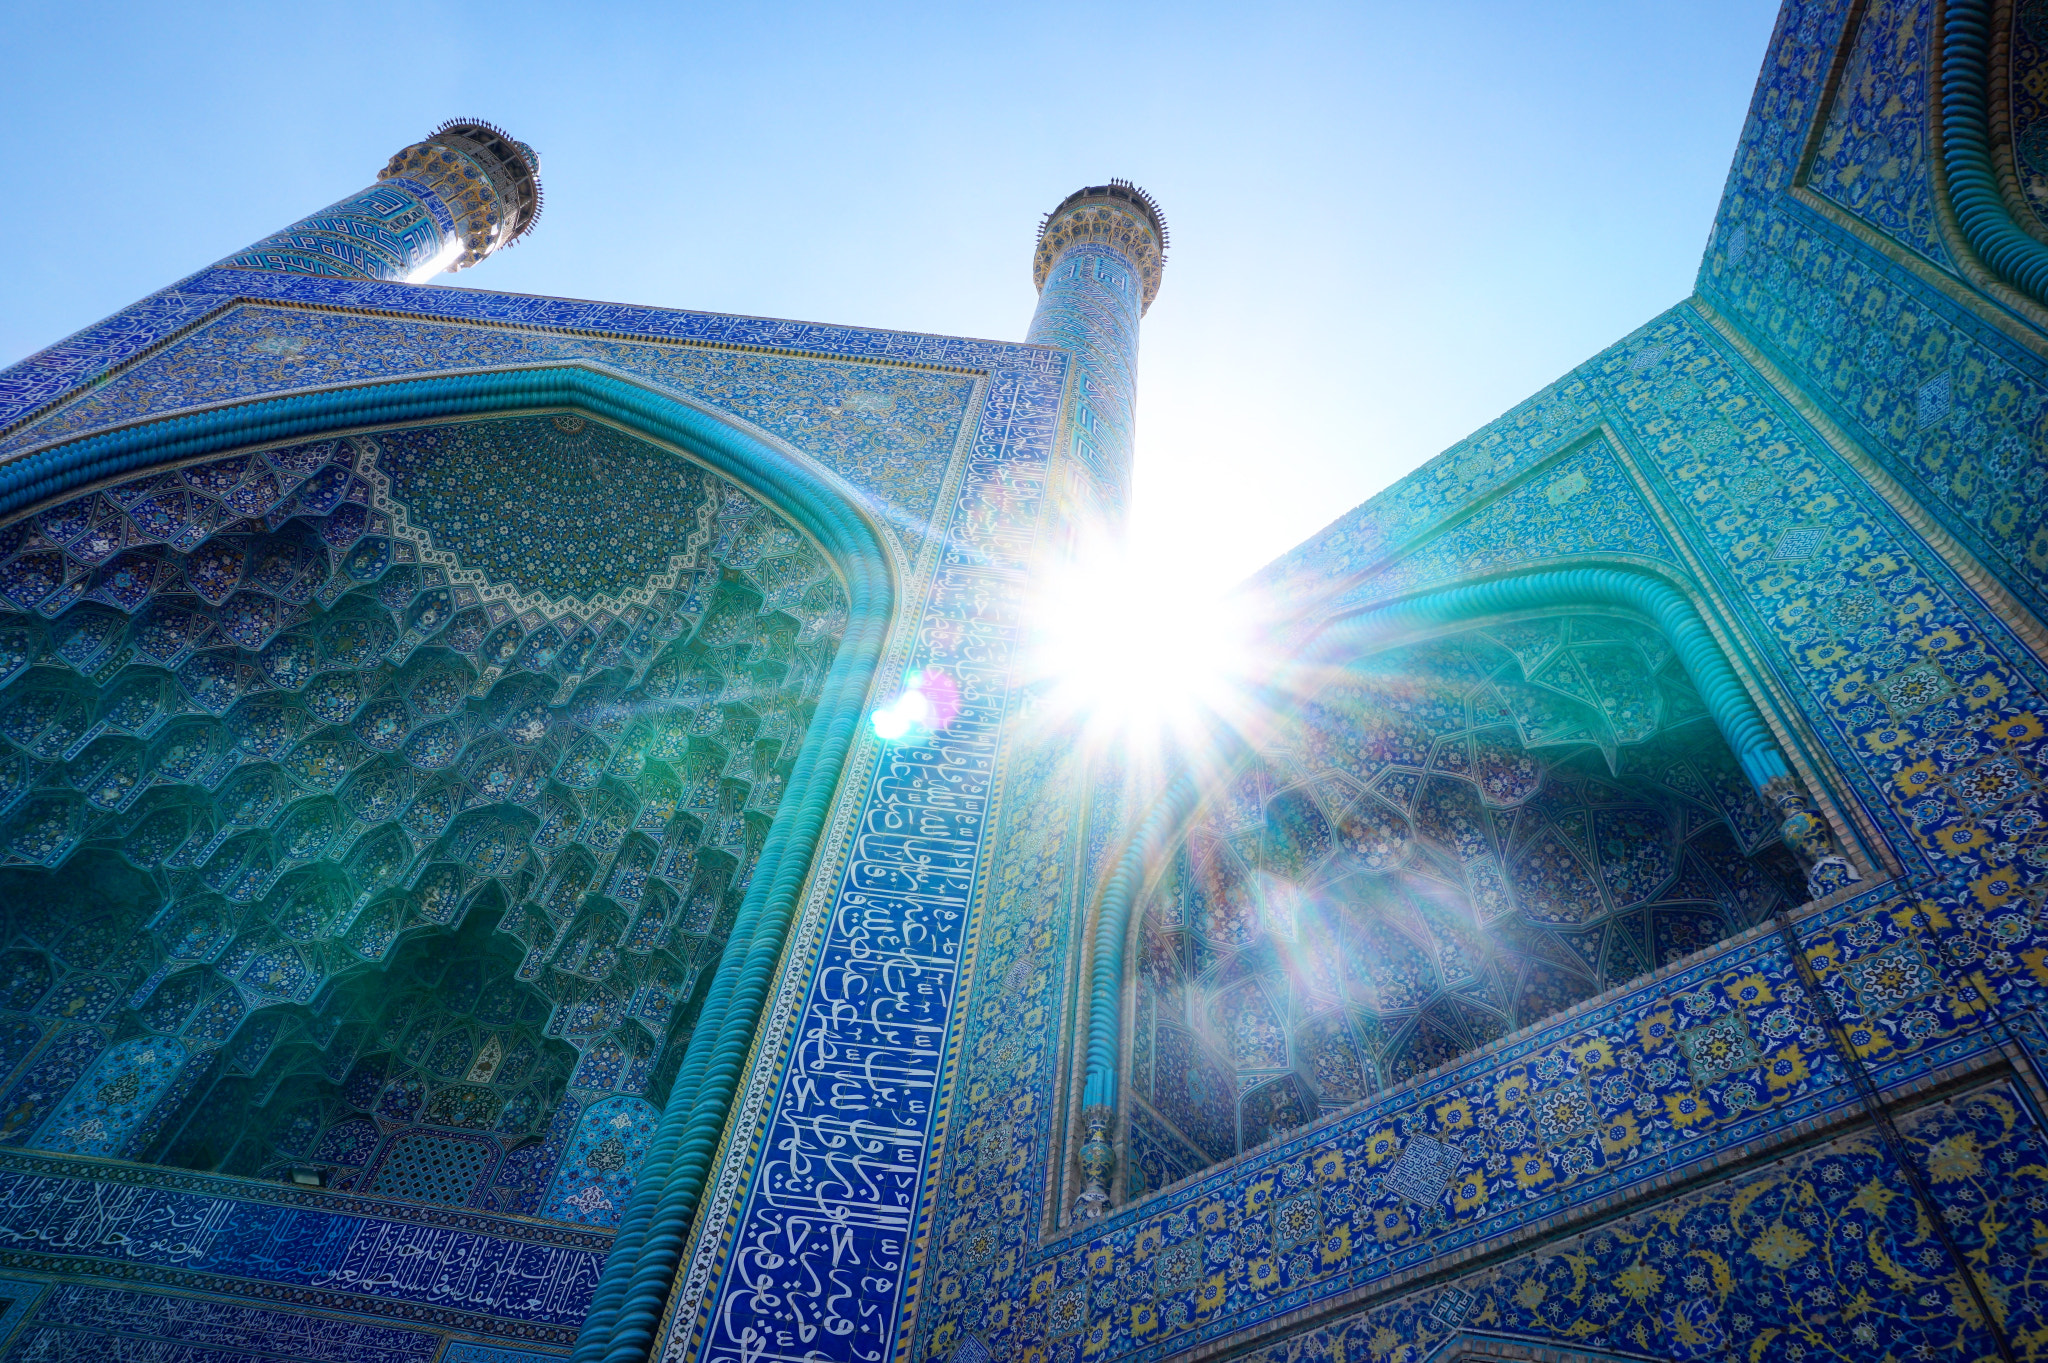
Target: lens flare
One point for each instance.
(928, 702)
(1123, 647)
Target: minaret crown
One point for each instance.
(1118, 215)
(488, 179)
(443, 203)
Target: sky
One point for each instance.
(1391, 222)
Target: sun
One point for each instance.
(1120, 644)
(1116, 649)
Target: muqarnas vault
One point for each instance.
(464, 905)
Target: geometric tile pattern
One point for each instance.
(1937, 393)
(1584, 504)
(429, 1166)
(1829, 1252)
(1454, 840)
(1872, 158)
(445, 773)
(554, 481)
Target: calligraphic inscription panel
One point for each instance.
(87, 1323)
(453, 1268)
(820, 1229)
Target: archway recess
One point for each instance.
(1526, 790)
(769, 554)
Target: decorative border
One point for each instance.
(127, 1174)
(963, 626)
(1447, 1278)
(37, 387)
(201, 1327)
(1594, 1198)
(477, 1351)
(679, 563)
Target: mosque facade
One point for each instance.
(528, 830)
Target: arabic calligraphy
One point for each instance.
(434, 1265)
(821, 1234)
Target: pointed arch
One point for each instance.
(629, 1297)
(1376, 627)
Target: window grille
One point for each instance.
(431, 1167)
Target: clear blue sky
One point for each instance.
(1390, 221)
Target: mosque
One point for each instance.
(536, 829)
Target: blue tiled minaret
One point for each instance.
(443, 203)
(1100, 256)
(1098, 264)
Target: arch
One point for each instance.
(629, 1297)
(1734, 712)
(1729, 704)
(2007, 248)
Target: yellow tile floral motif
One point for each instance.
(1826, 1255)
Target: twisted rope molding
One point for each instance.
(1987, 224)
(1727, 701)
(1664, 605)
(627, 1305)
(1119, 893)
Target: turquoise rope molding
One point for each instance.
(1119, 893)
(1749, 737)
(1726, 700)
(1987, 223)
(633, 1289)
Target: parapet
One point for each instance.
(1118, 215)
(488, 179)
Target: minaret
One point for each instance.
(441, 204)
(1099, 260)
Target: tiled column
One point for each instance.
(441, 204)
(1099, 260)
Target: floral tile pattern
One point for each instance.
(1927, 705)
(1486, 952)
(1827, 1254)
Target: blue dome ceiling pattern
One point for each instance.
(438, 757)
(1446, 843)
(518, 488)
